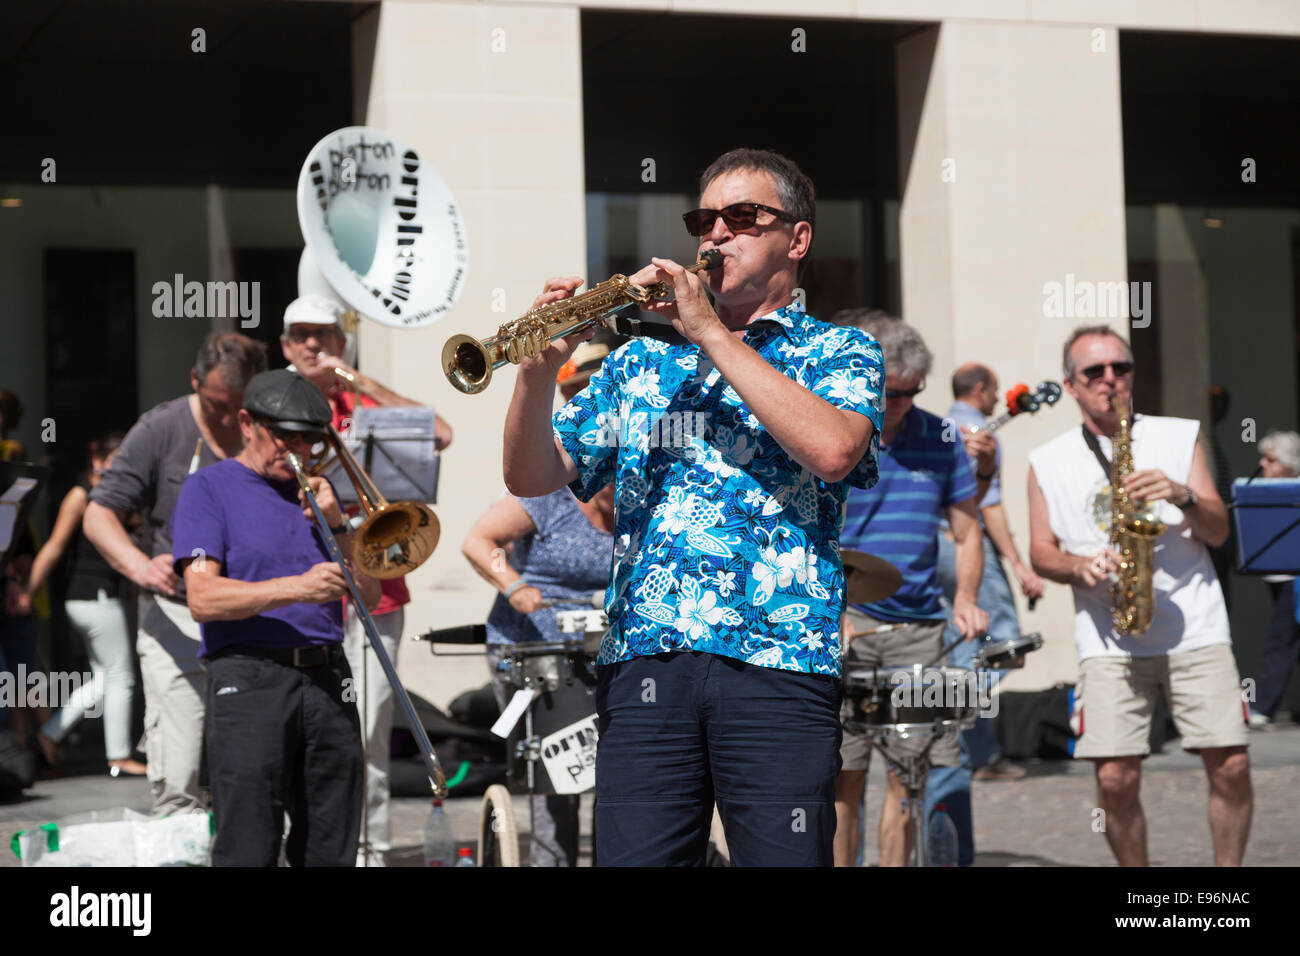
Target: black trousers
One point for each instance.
(283, 740)
(1281, 649)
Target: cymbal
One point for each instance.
(868, 578)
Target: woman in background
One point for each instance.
(94, 607)
(559, 553)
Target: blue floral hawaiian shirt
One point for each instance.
(723, 543)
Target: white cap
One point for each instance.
(313, 310)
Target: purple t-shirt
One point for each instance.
(256, 529)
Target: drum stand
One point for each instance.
(911, 773)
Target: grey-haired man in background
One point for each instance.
(170, 442)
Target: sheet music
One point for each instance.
(8, 518)
(10, 503)
(16, 492)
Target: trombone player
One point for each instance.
(312, 342)
(281, 728)
(718, 679)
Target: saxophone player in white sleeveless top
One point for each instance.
(1185, 654)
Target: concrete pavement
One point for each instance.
(1046, 819)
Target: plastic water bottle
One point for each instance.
(439, 844)
(466, 857)
(941, 838)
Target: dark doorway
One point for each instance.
(90, 385)
(90, 370)
(277, 272)
(820, 91)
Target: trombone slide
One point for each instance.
(437, 780)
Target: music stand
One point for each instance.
(20, 485)
(395, 446)
(1266, 514)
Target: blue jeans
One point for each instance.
(680, 731)
(979, 745)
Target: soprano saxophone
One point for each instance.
(468, 362)
(1133, 531)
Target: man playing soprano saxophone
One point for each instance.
(718, 679)
(1186, 650)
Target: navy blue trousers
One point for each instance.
(1281, 650)
(681, 731)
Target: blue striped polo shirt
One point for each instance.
(924, 471)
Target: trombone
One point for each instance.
(395, 538)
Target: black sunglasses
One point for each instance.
(739, 215)
(287, 437)
(910, 393)
(1095, 372)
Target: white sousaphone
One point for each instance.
(383, 234)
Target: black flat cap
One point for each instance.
(288, 400)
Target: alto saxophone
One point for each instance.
(468, 362)
(1133, 531)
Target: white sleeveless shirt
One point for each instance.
(1189, 607)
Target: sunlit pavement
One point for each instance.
(1045, 819)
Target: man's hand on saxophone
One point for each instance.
(1091, 570)
(689, 311)
(1152, 484)
(1203, 509)
(552, 358)
(534, 464)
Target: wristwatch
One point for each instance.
(1191, 501)
(343, 528)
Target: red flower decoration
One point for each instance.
(1014, 396)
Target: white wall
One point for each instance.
(1012, 177)
(504, 130)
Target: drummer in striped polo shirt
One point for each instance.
(925, 476)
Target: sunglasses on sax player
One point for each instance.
(897, 393)
(737, 216)
(1094, 373)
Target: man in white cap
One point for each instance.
(313, 342)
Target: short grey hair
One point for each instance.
(1285, 447)
(1067, 363)
(906, 354)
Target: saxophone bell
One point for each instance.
(467, 363)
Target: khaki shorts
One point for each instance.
(911, 644)
(1116, 696)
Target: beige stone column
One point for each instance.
(1011, 161)
(491, 96)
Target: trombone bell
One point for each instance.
(396, 539)
(397, 536)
